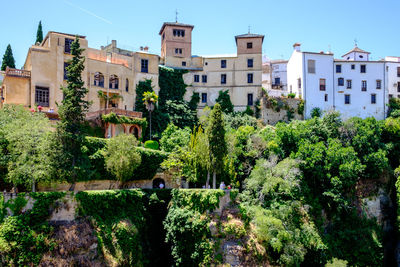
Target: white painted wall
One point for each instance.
(360, 101)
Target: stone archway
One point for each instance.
(134, 129)
(157, 182)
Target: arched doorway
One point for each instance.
(135, 131)
(157, 182)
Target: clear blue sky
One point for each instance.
(317, 24)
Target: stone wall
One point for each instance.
(169, 181)
(275, 109)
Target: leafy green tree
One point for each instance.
(39, 33)
(180, 114)
(121, 157)
(8, 59)
(27, 138)
(216, 139)
(225, 101)
(72, 117)
(173, 138)
(316, 113)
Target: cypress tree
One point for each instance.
(39, 33)
(225, 101)
(216, 139)
(8, 59)
(70, 131)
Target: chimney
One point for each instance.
(297, 46)
(114, 43)
(146, 49)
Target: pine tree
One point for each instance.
(8, 59)
(39, 33)
(216, 139)
(72, 117)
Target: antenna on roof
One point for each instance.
(249, 28)
(329, 48)
(176, 15)
(355, 42)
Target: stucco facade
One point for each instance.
(240, 74)
(111, 70)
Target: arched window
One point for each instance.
(99, 79)
(127, 85)
(113, 82)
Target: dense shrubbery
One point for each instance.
(24, 238)
(187, 226)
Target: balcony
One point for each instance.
(123, 112)
(277, 86)
(18, 73)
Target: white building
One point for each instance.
(275, 77)
(353, 85)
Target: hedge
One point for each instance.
(151, 160)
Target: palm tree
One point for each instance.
(107, 99)
(149, 99)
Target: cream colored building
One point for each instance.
(240, 74)
(109, 69)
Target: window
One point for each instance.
(340, 82)
(179, 33)
(363, 85)
(204, 78)
(338, 68)
(249, 99)
(145, 65)
(196, 78)
(163, 36)
(99, 79)
(204, 98)
(378, 84)
(311, 66)
(178, 51)
(348, 83)
(347, 99)
(67, 45)
(249, 45)
(183, 63)
(127, 85)
(398, 71)
(326, 97)
(65, 70)
(322, 83)
(249, 62)
(363, 68)
(360, 56)
(398, 87)
(353, 66)
(249, 77)
(299, 83)
(390, 96)
(223, 64)
(373, 98)
(398, 96)
(277, 81)
(113, 84)
(223, 78)
(42, 96)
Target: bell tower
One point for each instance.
(176, 43)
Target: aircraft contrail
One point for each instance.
(87, 12)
